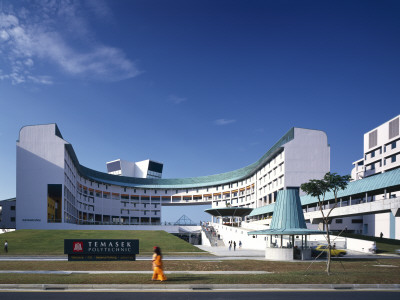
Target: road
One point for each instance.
(292, 295)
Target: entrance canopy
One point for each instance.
(229, 211)
(288, 217)
(289, 231)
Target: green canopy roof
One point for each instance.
(378, 182)
(288, 217)
(229, 211)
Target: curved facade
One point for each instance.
(55, 191)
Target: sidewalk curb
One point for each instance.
(198, 287)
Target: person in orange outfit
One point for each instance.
(158, 273)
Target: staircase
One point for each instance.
(212, 236)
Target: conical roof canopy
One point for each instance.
(288, 217)
(287, 211)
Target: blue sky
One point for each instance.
(203, 86)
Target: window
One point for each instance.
(372, 154)
(357, 221)
(393, 158)
(393, 145)
(13, 207)
(339, 221)
(12, 219)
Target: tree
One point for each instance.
(333, 183)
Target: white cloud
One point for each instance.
(223, 122)
(4, 35)
(57, 33)
(41, 79)
(176, 100)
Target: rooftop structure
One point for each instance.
(141, 169)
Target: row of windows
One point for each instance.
(387, 147)
(388, 160)
(270, 164)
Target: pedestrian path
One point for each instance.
(225, 252)
(215, 253)
(133, 272)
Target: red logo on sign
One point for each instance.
(78, 246)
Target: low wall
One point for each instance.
(204, 239)
(283, 254)
(342, 243)
(359, 245)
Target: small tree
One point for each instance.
(331, 182)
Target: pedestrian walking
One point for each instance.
(230, 245)
(158, 273)
(6, 247)
(240, 244)
(234, 246)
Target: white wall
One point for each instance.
(40, 161)
(307, 157)
(141, 168)
(228, 233)
(359, 245)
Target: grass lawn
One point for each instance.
(51, 242)
(381, 271)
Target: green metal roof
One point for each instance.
(179, 183)
(362, 186)
(10, 200)
(263, 210)
(288, 216)
(378, 182)
(288, 212)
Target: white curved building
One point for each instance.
(55, 191)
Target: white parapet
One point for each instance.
(281, 254)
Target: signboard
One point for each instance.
(95, 249)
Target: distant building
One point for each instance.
(141, 169)
(7, 213)
(381, 150)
